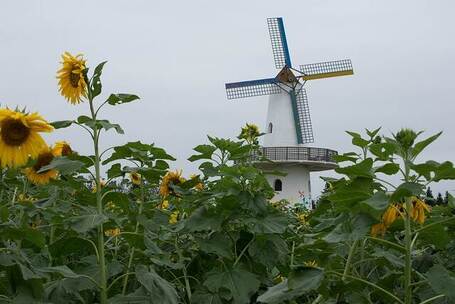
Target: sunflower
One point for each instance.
(62, 148)
(41, 178)
(112, 232)
(135, 178)
(378, 229)
(390, 215)
(102, 184)
(312, 264)
(250, 133)
(71, 78)
(19, 138)
(169, 180)
(418, 210)
(199, 186)
(174, 217)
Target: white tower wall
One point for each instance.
(296, 186)
(280, 115)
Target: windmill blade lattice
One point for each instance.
(279, 42)
(303, 110)
(252, 88)
(326, 69)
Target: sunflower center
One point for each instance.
(66, 150)
(74, 79)
(43, 159)
(14, 132)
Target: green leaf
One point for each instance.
(240, 283)
(205, 151)
(272, 223)
(363, 169)
(305, 279)
(278, 294)
(64, 165)
(383, 151)
(116, 99)
(300, 281)
(162, 291)
(32, 235)
(436, 235)
(95, 84)
(61, 124)
(375, 205)
(355, 229)
(418, 147)
(218, 243)
(373, 133)
(406, 189)
(106, 125)
(442, 281)
(114, 171)
(204, 219)
(351, 156)
(84, 223)
(388, 169)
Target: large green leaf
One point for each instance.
(84, 223)
(61, 124)
(355, 229)
(64, 165)
(32, 235)
(95, 84)
(161, 290)
(240, 283)
(363, 169)
(375, 205)
(389, 169)
(442, 281)
(116, 99)
(300, 281)
(418, 147)
(406, 189)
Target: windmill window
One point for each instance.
(278, 185)
(270, 127)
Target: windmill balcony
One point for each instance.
(316, 159)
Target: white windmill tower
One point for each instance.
(288, 125)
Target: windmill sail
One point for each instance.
(326, 69)
(303, 113)
(279, 43)
(252, 88)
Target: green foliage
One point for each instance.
(218, 237)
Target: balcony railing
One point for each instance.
(295, 154)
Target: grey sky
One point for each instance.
(177, 55)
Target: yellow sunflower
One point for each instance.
(62, 148)
(378, 229)
(41, 178)
(174, 217)
(71, 78)
(19, 138)
(418, 210)
(391, 214)
(169, 180)
(112, 232)
(135, 178)
(199, 186)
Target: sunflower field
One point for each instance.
(118, 226)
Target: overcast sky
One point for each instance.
(177, 55)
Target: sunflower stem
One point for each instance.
(130, 259)
(99, 205)
(407, 241)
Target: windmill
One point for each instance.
(289, 126)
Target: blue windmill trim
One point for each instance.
(250, 83)
(284, 42)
